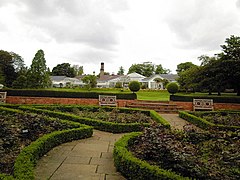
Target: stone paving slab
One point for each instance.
(175, 121)
(88, 159)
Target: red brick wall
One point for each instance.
(46, 100)
(217, 106)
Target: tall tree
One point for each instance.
(120, 71)
(90, 81)
(78, 70)
(184, 66)
(38, 75)
(160, 70)
(231, 50)
(7, 68)
(145, 69)
(63, 69)
(18, 62)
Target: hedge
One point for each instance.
(65, 94)
(216, 99)
(204, 124)
(134, 168)
(27, 159)
(99, 124)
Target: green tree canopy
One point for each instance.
(147, 69)
(184, 66)
(63, 69)
(120, 71)
(231, 50)
(78, 70)
(90, 81)
(7, 68)
(160, 70)
(38, 74)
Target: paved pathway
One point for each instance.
(178, 123)
(88, 159)
(175, 121)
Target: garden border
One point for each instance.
(99, 124)
(204, 124)
(134, 168)
(27, 159)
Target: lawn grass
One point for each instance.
(150, 95)
(156, 95)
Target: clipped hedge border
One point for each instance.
(27, 159)
(204, 124)
(216, 99)
(65, 94)
(134, 168)
(153, 114)
(99, 124)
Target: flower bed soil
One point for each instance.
(18, 131)
(198, 155)
(113, 116)
(228, 119)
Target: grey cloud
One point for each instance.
(200, 24)
(87, 21)
(93, 56)
(238, 3)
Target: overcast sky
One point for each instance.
(117, 32)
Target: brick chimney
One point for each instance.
(101, 70)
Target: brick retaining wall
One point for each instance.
(217, 106)
(48, 100)
(121, 102)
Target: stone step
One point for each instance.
(161, 107)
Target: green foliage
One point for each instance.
(184, 66)
(160, 70)
(118, 85)
(193, 154)
(90, 81)
(7, 71)
(78, 70)
(216, 99)
(96, 123)
(27, 159)
(147, 69)
(38, 75)
(172, 88)
(24, 165)
(120, 71)
(204, 124)
(231, 50)
(134, 86)
(63, 69)
(20, 82)
(134, 168)
(66, 94)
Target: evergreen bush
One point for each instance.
(134, 86)
(172, 88)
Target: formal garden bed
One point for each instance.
(109, 119)
(220, 120)
(162, 153)
(25, 137)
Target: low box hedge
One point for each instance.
(27, 159)
(134, 168)
(66, 108)
(216, 99)
(204, 124)
(98, 124)
(65, 94)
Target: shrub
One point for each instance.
(118, 85)
(172, 88)
(134, 86)
(134, 168)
